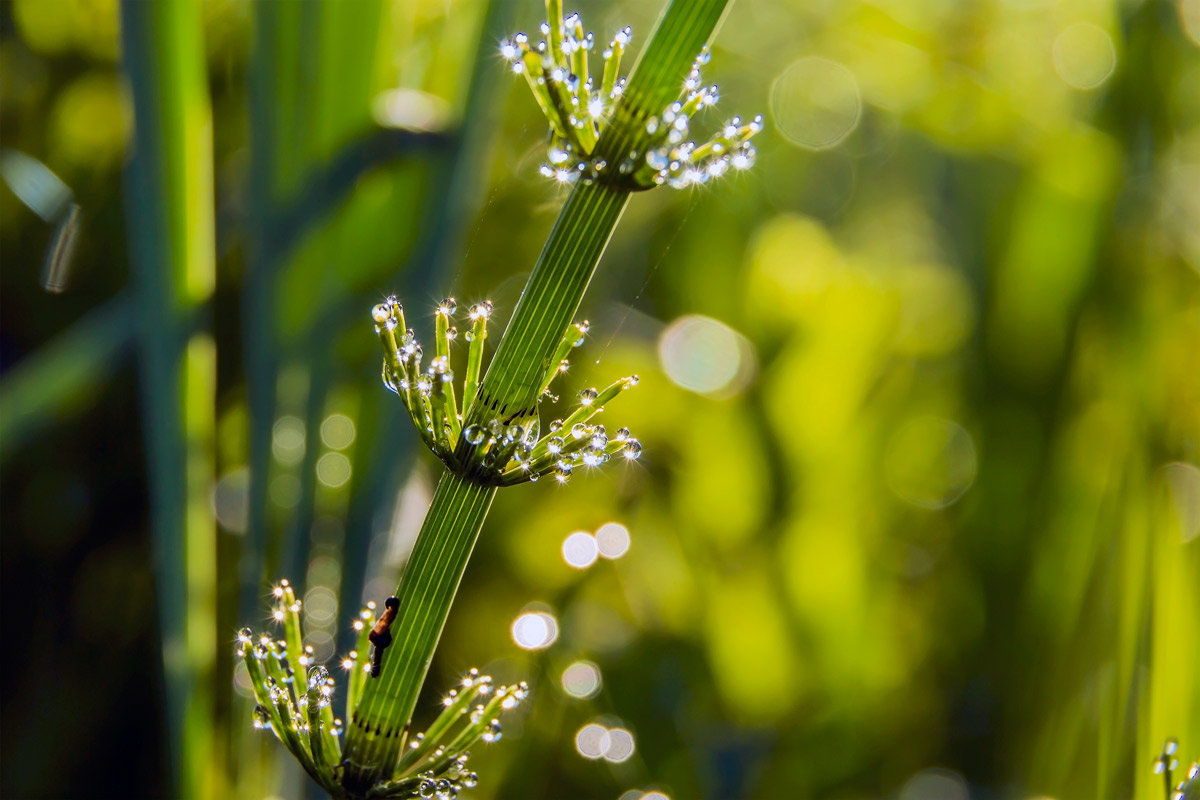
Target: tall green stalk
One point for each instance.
(611, 141)
(170, 213)
(431, 580)
(570, 257)
(509, 392)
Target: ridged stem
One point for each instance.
(552, 296)
(444, 544)
(513, 382)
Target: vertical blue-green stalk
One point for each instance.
(170, 220)
(509, 391)
(426, 592)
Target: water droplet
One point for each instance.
(318, 676)
(580, 430)
(633, 450)
(381, 314)
(593, 458)
(493, 732)
(426, 789)
(262, 717)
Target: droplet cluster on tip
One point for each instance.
(578, 109)
(434, 764)
(576, 104)
(495, 452)
(294, 694)
(1165, 764)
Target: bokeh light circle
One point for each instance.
(706, 356)
(579, 550)
(333, 470)
(581, 680)
(935, 784)
(337, 431)
(816, 103)
(534, 630)
(930, 462)
(591, 741)
(612, 540)
(1084, 55)
(620, 746)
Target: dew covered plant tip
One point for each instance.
(610, 136)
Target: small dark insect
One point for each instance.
(380, 636)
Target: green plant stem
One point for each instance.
(430, 581)
(511, 387)
(514, 378)
(509, 391)
(685, 27)
(171, 234)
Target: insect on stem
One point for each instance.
(380, 636)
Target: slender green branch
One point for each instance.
(512, 385)
(170, 209)
(430, 581)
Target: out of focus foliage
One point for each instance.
(919, 510)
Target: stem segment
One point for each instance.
(426, 592)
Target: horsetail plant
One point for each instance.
(609, 137)
(295, 699)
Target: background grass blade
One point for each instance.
(171, 230)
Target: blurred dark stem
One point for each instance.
(170, 216)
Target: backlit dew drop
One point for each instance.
(534, 630)
(474, 434)
(588, 396)
(593, 458)
(579, 550)
(261, 718)
(447, 306)
(493, 732)
(632, 450)
(318, 676)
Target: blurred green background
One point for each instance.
(919, 510)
